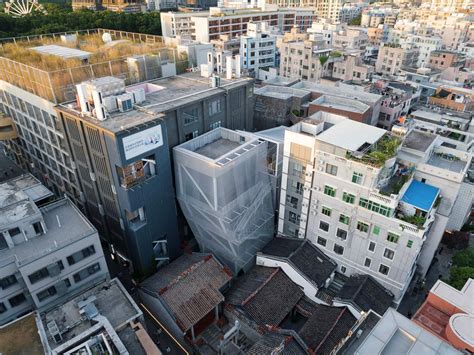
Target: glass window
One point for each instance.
(331, 169)
(322, 241)
(372, 246)
(341, 233)
(330, 191)
(85, 273)
(367, 262)
(214, 107)
(343, 269)
(51, 291)
(324, 226)
(338, 249)
(357, 178)
(344, 219)
(3, 309)
(388, 253)
(80, 255)
(190, 115)
(348, 198)
(17, 300)
(8, 281)
(376, 230)
(326, 211)
(294, 218)
(410, 243)
(363, 227)
(384, 269)
(392, 237)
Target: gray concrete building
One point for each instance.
(47, 252)
(120, 140)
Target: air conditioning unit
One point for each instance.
(125, 102)
(138, 95)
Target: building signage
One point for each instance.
(142, 142)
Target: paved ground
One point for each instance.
(439, 269)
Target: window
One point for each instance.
(375, 207)
(344, 219)
(410, 243)
(17, 300)
(51, 291)
(367, 262)
(214, 107)
(191, 135)
(14, 231)
(293, 218)
(292, 201)
(38, 228)
(6, 282)
(80, 255)
(191, 116)
(322, 241)
(215, 125)
(362, 227)
(341, 233)
(343, 269)
(85, 273)
(376, 230)
(338, 249)
(348, 198)
(326, 211)
(372, 247)
(2, 308)
(384, 269)
(324, 226)
(38, 275)
(357, 178)
(331, 169)
(388, 253)
(392, 237)
(330, 191)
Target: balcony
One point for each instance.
(380, 153)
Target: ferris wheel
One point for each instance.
(20, 8)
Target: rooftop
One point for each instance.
(161, 95)
(339, 103)
(64, 225)
(351, 135)
(106, 307)
(396, 334)
(191, 288)
(418, 140)
(421, 195)
(441, 116)
(280, 92)
(21, 337)
(447, 162)
(304, 256)
(366, 293)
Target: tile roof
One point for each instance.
(194, 292)
(304, 256)
(366, 293)
(326, 326)
(246, 284)
(273, 340)
(273, 300)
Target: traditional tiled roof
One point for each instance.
(194, 291)
(273, 300)
(366, 293)
(272, 341)
(304, 256)
(326, 326)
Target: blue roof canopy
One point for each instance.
(421, 195)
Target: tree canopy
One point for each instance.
(462, 269)
(62, 19)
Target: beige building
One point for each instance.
(392, 57)
(352, 68)
(7, 128)
(350, 39)
(306, 59)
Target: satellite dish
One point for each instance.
(106, 37)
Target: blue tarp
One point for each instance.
(420, 195)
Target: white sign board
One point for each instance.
(142, 142)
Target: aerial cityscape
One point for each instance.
(236, 177)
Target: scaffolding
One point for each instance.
(227, 193)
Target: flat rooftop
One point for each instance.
(346, 91)
(421, 195)
(340, 103)
(427, 114)
(217, 148)
(447, 162)
(65, 224)
(49, 52)
(418, 140)
(162, 95)
(351, 135)
(396, 334)
(109, 298)
(280, 92)
(21, 337)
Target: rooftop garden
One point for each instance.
(378, 153)
(418, 221)
(93, 43)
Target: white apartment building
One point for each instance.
(210, 25)
(350, 39)
(47, 252)
(258, 48)
(425, 44)
(326, 28)
(375, 203)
